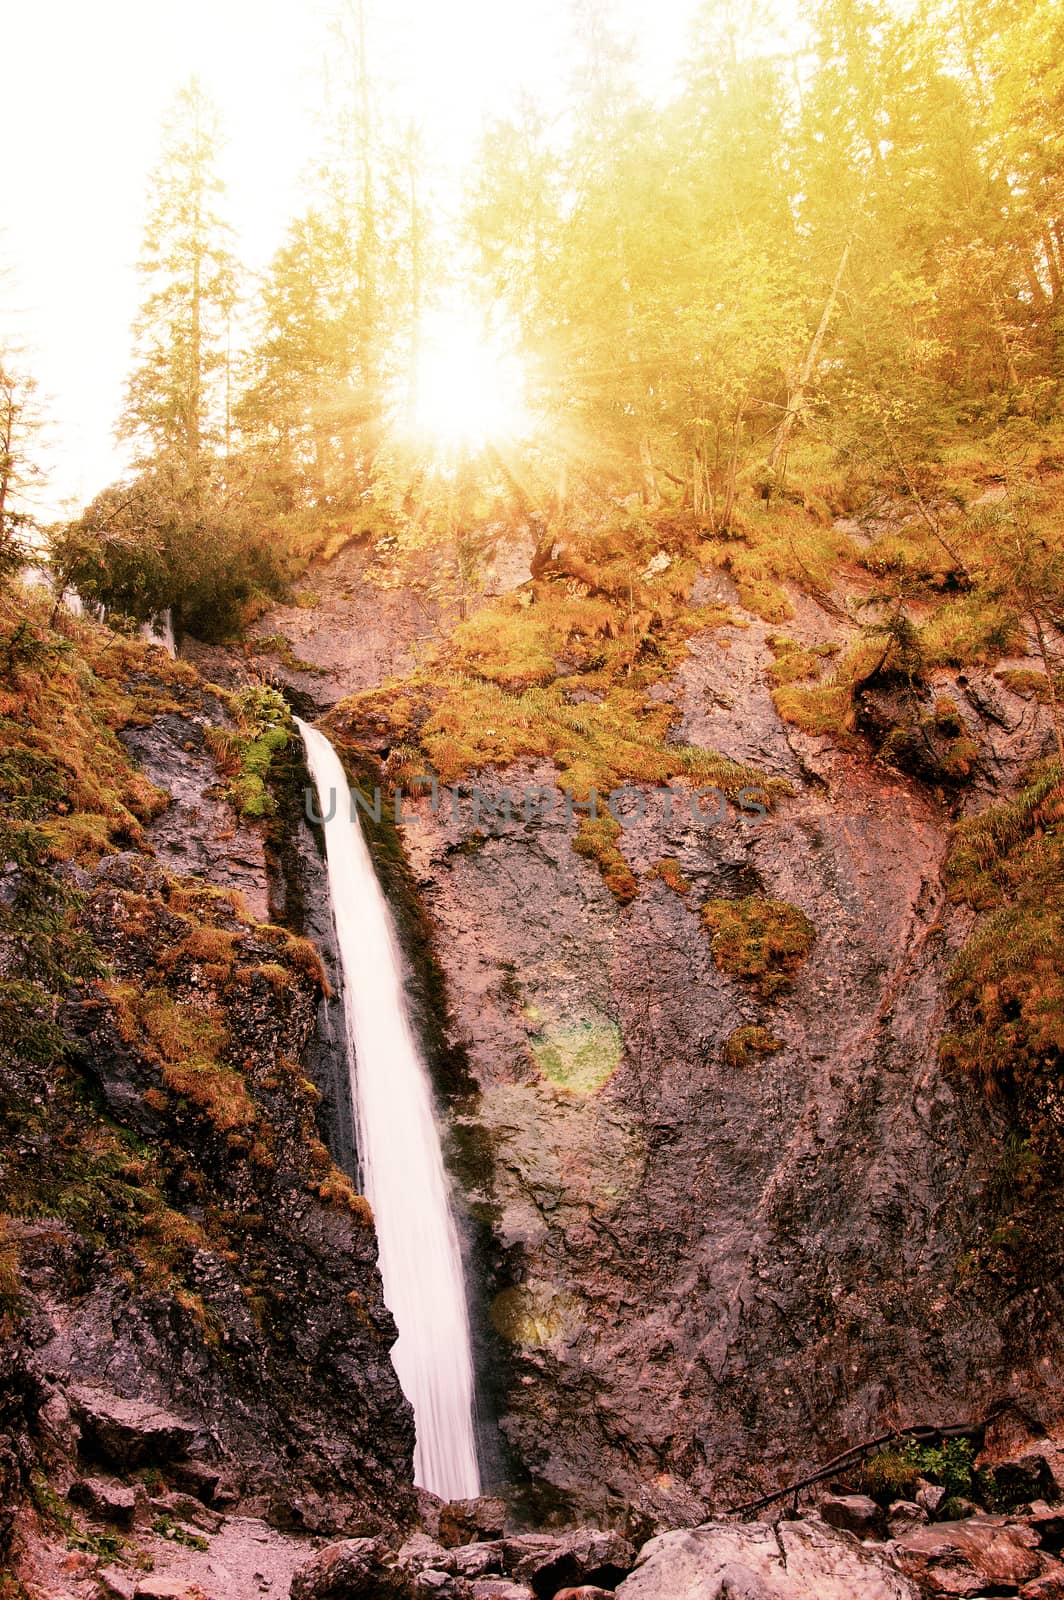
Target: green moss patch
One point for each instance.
(743, 1044)
(763, 942)
(246, 754)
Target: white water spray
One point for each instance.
(399, 1146)
(159, 629)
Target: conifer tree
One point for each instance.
(176, 406)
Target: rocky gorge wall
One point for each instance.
(712, 1256)
(190, 1290)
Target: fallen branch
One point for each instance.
(850, 1458)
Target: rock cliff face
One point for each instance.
(178, 1242)
(717, 1254)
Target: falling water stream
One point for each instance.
(399, 1147)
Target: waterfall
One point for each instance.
(399, 1149)
(159, 629)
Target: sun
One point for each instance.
(470, 388)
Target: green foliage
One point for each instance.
(247, 754)
(894, 1473)
(1007, 987)
(763, 942)
(169, 541)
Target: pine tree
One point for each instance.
(19, 422)
(176, 407)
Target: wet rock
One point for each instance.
(129, 1433)
(904, 1515)
(113, 1502)
(115, 1584)
(930, 1496)
(791, 1561)
(465, 1521)
(854, 1513)
(585, 1556)
(968, 1558)
(478, 1560)
(352, 1569)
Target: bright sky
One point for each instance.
(85, 87)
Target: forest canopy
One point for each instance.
(837, 241)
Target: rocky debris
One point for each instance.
(584, 1593)
(527, 1566)
(465, 1521)
(583, 1557)
(435, 1585)
(1048, 1522)
(197, 1478)
(187, 1509)
(478, 1560)
(116, 1584)
(128, 1433)
(352, 1569)
(854, 1513)
(421, 1553)
(790, 1561)
(903, 1515)
(112, 1502)
(1026, 1478)
(929, 1496)
(969, 1558)
(157, 1586)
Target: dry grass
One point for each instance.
(189, 1048)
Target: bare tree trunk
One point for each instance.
(1034, 282)
(651, 492)
(797, 397)
(1052, 264)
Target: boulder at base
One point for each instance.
(791, 1561)
(968, 1558)
(352, 1569)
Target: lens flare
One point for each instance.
(469, 390)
